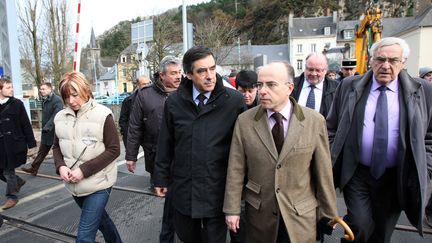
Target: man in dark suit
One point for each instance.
(193, 148)
(312, 88)
(380, 134)
(51, 104)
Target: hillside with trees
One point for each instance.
(258, 21)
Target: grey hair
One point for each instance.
(168, 60)
(289, 69)
(389, 41)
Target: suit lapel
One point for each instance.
(295, 130)
(262, 129)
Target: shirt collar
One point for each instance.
(195, 93)
(319, 85)
(393, 85)
(285, 112)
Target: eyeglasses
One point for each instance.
(391, 61)
(317, 70)
(272, 85)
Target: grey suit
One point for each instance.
(415, 140)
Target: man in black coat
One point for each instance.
(51, 104)
(144, 125)
(127, 104)
(380, 131)
(312, 88)
(193, 148)
(16, 137)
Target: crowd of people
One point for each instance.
(262, 158)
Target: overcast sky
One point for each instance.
(104, 14)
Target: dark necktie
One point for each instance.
(278, 131)
(380, 140)
(311, 98)
(201, 99)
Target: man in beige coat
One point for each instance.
(287, 192)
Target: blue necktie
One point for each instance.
(380, 140)
(201, 99)
(310, 102)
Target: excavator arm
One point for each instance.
(367, 32)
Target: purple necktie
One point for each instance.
(380, 140)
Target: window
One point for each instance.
(124, 72)
(326, 30)
(299, 64)
(123, 59)
(313, 48)
(348, 34)
(124, 87)
(300, 48)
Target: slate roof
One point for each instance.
(304, 27)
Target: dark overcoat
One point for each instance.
(50, 106)
(415, 145)
(16, 134)
(144, 123)
(193, 148)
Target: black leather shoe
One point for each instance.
(30, 170)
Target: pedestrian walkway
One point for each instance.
(47, 213)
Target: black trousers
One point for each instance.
(372, 205)
(167, 232)
(42, 153)
(200, 230)
(428, 209)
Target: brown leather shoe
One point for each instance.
(19, 185)
(10, 203)
(30, 170)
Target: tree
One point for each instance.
(218, 33)
(58, 48)
(30, 42)
(165, 33)
(48, 58)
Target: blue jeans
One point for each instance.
(94, 217)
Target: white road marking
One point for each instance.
(122, 162)
(39, 194)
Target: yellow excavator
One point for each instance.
(368, 32)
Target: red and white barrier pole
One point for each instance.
(76, 60)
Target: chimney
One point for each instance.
(290, 19)
(335, 17)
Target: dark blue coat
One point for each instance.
(16, 134)
(193, 148)
(415, 153)
(50, 106)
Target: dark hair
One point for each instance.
(246, 79)
(193, 54)
(3, 81)
(49, 85)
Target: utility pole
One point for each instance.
(185, 40)
(238, 40)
